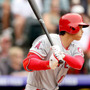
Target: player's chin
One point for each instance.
(78, 38)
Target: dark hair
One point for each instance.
(62, 33)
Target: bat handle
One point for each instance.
(43, 25)
(60, 62)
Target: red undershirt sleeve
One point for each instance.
(75, 62)
(33, 62)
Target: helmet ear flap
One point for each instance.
(72, 28)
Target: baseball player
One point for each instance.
(48, 65)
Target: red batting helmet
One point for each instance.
(70, 23)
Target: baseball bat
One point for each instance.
(39, 17)
(36, 11)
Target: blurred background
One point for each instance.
(19, 28)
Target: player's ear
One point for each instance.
(80, 26)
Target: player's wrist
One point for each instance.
(66, 57)
(55, 61)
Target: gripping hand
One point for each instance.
(56, 57)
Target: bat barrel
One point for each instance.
(45, 30)
(39, 17)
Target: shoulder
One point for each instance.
(54, 36)
(76, 49)
(44, 38)
(40, 38)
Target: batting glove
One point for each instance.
(56, 58)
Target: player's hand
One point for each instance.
(56, 58)
(57, 52)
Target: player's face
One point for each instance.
(78, 35)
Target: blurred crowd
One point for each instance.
(19, 28)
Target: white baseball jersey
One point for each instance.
(49, 79)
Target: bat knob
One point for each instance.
(60, 62)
